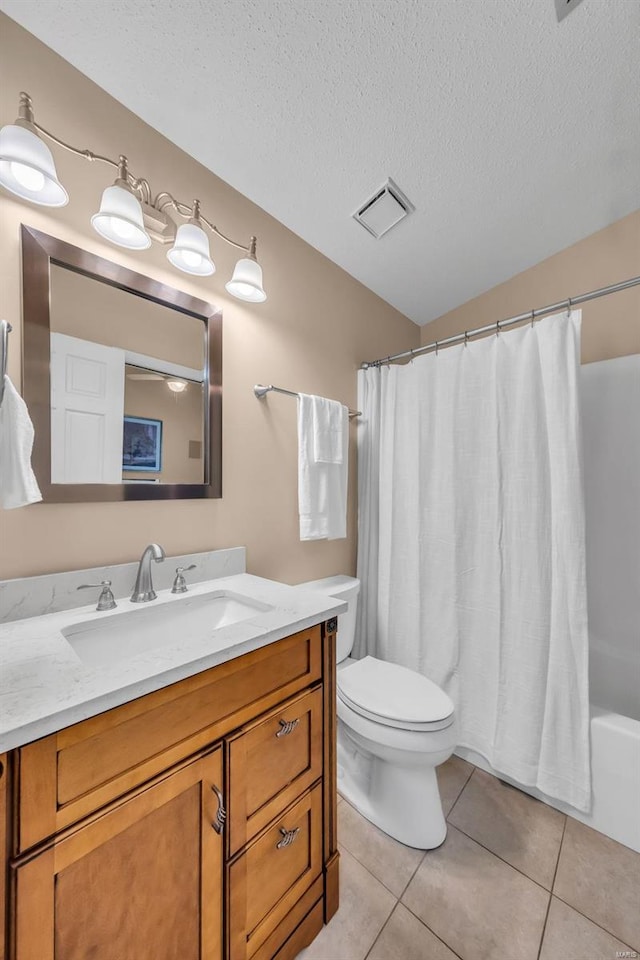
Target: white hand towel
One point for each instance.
(330, 421)
(18, 485)
(322, 487)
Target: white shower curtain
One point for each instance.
(471, 543)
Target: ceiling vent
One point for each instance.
(387, 207)
(564, 7)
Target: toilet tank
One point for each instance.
(342, 588)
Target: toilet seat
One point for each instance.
(394, 696)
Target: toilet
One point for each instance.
(395, 727)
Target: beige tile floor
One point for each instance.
(514, 880)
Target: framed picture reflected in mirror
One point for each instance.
(142, 445)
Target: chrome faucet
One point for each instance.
(143, 589)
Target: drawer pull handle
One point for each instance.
(287, 727)
(288, 836)
(221, 815)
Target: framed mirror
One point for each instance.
(123, 379)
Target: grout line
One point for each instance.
(420, 920)
(462, 790)
(395, 907)
(372, 874)
(418, 865)
(596, 924)
(373, 827)
(498, 857)
(546, 916)
(555, 872)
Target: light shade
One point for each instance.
(177, 386)
(27, 168)
(246, 282)
(190, 251)
(120, 219)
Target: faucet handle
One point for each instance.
(180, 584)
(106, 600)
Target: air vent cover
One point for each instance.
(387, 207)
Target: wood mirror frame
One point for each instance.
(39, 252)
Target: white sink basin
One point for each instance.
(122, 636)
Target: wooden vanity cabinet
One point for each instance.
(194, 823)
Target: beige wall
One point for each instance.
(610, 326)
(312, 333)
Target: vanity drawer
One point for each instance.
(71, 774)
(268, 880)
(271, 762)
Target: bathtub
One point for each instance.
(610, 398)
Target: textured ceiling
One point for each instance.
(513, 135)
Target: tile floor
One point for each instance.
(514, 880)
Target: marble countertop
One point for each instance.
(44, 686)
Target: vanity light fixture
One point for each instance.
(129, 216)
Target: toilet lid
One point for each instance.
(393, 695)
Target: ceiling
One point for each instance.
(513, 135)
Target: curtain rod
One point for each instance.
(530, 315)
(261, 391)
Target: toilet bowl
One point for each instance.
(395, 727)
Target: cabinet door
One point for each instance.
(142, 881)
(278, 876)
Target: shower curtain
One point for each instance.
(471, 547)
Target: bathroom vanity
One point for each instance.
(197, 820)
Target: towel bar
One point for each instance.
(5, 330)
(261, 391)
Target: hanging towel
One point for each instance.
(322, 486)
(18, 485)
(330, 421)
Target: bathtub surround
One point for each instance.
(610, 392)
(472, 550)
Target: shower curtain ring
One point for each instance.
(497, 328)
(533, 316)
(569, 308)
(466, 338)
(436, 348)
